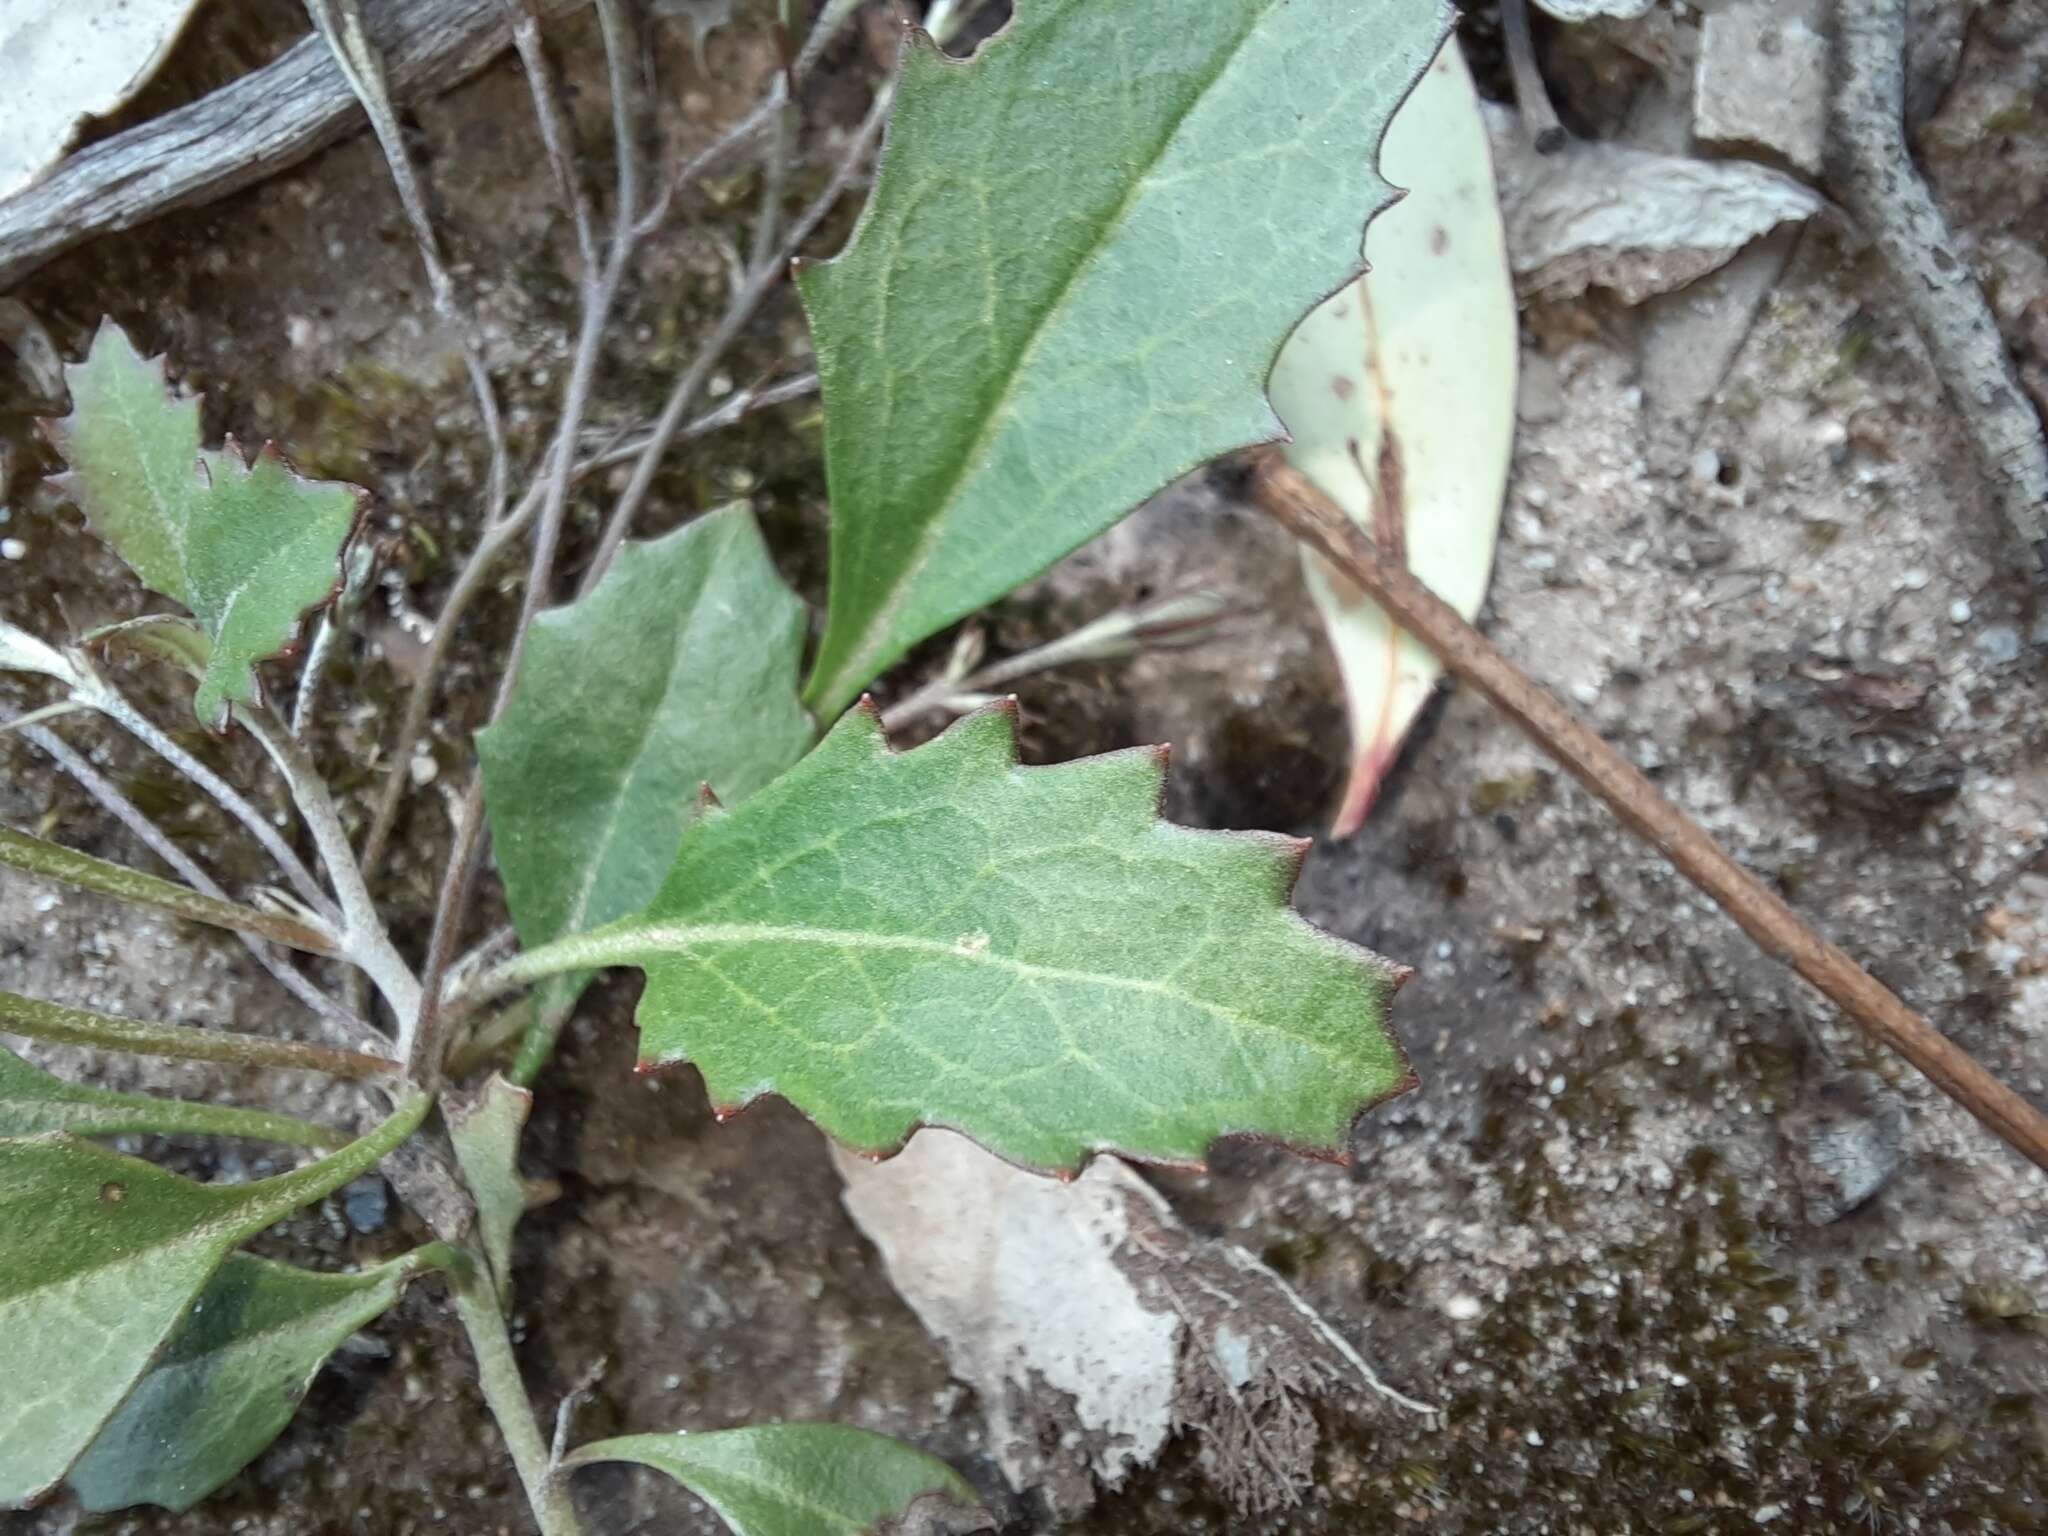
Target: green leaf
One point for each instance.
(1400, 395)
(230, 1379)
(1084, 248)
(806, 1480)
(1027, 955)
(679, 670)
(485, 1130)
(33, 1101)
(163, 638)
(247, 547)
(100, 1255)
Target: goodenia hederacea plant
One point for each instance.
(805, 1480)
(1400, 395)
(1028, 955)
(247, 546)
(230, 1378)
(678, 670)
(103, 1256)
(1084, 248)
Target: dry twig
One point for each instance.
(1297, 505)
(244, 133)
(1871, 167)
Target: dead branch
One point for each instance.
(246, 132)
(1872, 170)
(1297, 505)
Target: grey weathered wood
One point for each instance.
(244, 132)
(1871, 168)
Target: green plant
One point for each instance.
(1068, 287)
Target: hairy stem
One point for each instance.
(110, 703)
(365, 944)
(94, 783)
(498, 1373)
(760, 281)
(39, 1020)
(424, 1046)
(1184, 618)
(1298, 506)
(20, 851)
(121, 1113)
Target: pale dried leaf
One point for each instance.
(1400, 395)
(67, 60)
(1093, 1326)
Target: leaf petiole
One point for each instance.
(39, 1020)
(19, 850)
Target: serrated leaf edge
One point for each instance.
(1285, 856)
(52, 429)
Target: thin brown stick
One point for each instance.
(1292, 501)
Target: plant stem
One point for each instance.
(99, 1113)
(423, 1045)
(365, 944)
(1539, 117)
(1185, 618)
(1293, 501)
(760, 281)
(39, 1020)
(18, 850)
(498, 1374)
(94, 783)
(102, 697)
(340, 22)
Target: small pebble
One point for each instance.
(367, 1203)
(1912, 579)
(1462, 1308)
(1706, 465)
(1959, 611)
(12, 549)
(423, 769)
(1998, 643)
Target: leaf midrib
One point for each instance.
(885, 613)
(637, 943)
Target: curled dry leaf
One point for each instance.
(1400, 395)
(64, 62)
(1094, 1327)
(1630, 220)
